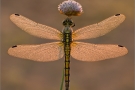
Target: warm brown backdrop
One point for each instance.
(112, 74)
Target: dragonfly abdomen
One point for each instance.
(67, 49)
(67, 68)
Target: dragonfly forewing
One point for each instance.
(96, 52)
(42, 52)
(35, 29)
(98, 29)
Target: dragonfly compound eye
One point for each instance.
(68, 21)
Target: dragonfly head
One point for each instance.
(68, 22)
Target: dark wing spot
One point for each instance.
(14, 46)
(17, 14)
(117, 14)
(120, 46)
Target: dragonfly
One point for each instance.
(67, 45)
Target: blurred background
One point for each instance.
(111, 74)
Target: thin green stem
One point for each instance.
(61, 86)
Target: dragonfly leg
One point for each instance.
(73, 24)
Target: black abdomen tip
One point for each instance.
(117, 14)
(14, 46)
(17, 14)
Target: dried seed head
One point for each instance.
(70, 8)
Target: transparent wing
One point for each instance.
(42, 52)
(92, 52)
(99, 29)
(34, 28)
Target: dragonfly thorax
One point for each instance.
(67, 31)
